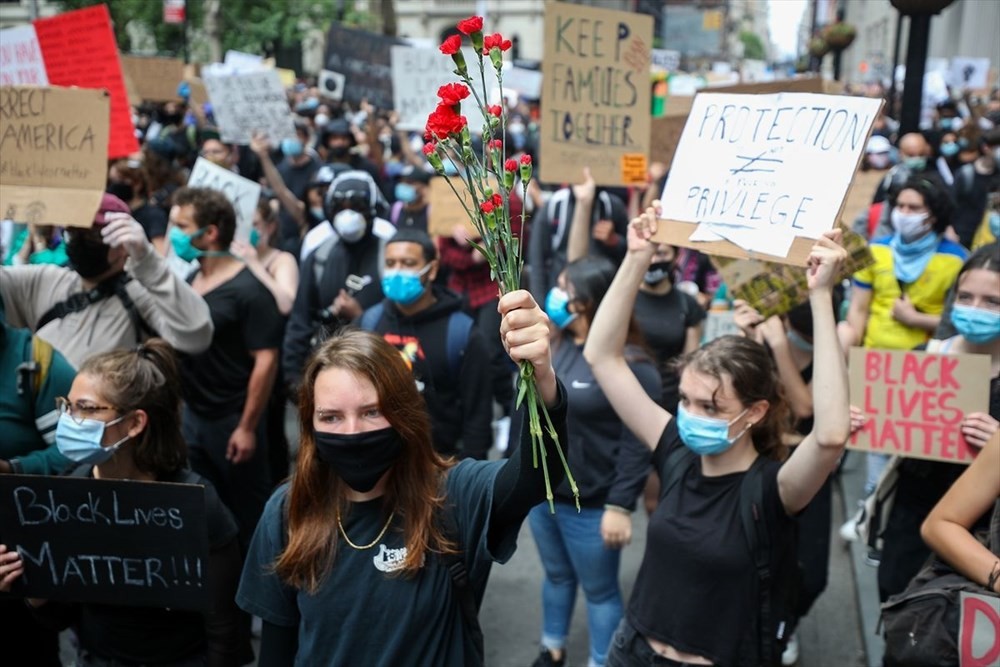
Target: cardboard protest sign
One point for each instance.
(79, 49)
(241, 192)
(331, 84)
(759, 192)
(718, 324)
(21, 62)
(665, 134)
(416, 76)
(978, 630)
(595, 92)
(445, 211)
(665, 59)
(154, 79)
(53, 154)
(915, 401)
(774, 289)
(248, 102)
(969, 73)
(107, 541)
(363, 59)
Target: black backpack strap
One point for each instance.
(758, 536)
(113, 286)
(677, 464)
(455, 563)
(139, 325)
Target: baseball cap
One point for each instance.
(110, 204)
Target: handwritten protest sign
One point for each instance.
(53, 154)
(363, 58)
(774, 289)
(21, 62)
(241, 192)
(595, 92)
(978, 630)
(154, 79)
(968, 73)
(445, 211)
(79, 49)
(914, 402)
(759, 192)
(247, 102)
(107, 541)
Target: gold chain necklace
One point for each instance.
(377, 539)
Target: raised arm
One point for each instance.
(578, 243)
(947, 528)
(804, 473)
(296, 208)
(605, 349)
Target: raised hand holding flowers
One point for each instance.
(488, 181)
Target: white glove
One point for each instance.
(124, 230)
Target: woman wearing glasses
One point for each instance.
(121, 421)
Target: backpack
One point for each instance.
(921, 624)
(874, 515)
(459, 330)
(113, 286)
(778, 571)
(31, 374)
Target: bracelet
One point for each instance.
(994, 575)
(618, 508)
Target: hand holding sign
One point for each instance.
(825, 261)
(978, 428)
(641, 231)
(11, 567)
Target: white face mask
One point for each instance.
(350, 225)
(321, 120)
(911, 226)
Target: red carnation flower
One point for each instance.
(497, 200)
(443, 122)
(451, 46)
(486, 207)
(453, 93)
(526, 159)
(496, 144)
(496, 110)
(429, 148)
(470, 25)
(495, 40)
(510, 165)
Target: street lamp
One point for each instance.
(920, 13)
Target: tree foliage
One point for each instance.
(753, 46)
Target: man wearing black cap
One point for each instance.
(412, 194)
(336, 143)
(118, 291)
(342, 276)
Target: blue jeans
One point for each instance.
(572, 552)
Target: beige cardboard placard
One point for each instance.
(595, 92)
(445, 211)
(978, 630)
(915, 401)
(665, 134)
(53, 154)
(758, 196)
(154, 79)
(774, 289)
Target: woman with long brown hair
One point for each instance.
(700, 597)
(378, 550)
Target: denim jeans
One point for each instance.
(572, 553)
(630, 649)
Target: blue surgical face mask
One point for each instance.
(995, 224)
(404, 287)
(291, 147)
(949, 149)
(318, 213)
(82, 442)
(557, 307)
(976, 325)
(705, 435)
(915, 163)
(254, 237)
(406, 193)
(183, 246)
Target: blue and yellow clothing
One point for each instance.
(927, 293)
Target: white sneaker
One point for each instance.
(849, 531)
(790, 655)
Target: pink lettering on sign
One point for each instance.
(79, 49)
(21, 62)
(979, 634)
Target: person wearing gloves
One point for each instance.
(118, 292)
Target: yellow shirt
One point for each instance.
(927, 293)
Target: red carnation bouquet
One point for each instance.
(488, 178)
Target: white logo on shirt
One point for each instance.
(576, 384)
(389, 560)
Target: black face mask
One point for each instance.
(123, 191)
(87, 253)
(658, 271)
(360, 459)
(339, 151)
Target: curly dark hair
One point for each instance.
(935, 196)
(210, 208)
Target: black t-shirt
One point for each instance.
(664, 320)
(153, 220)
(246, 318)
(696, 588)
(407, 218)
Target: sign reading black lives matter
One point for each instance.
(106, 541)
(760, 173)
(363, 58)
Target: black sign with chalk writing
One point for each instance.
(363, 58)
(108, 541)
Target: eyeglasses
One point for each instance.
(79, 412)
(354, 199)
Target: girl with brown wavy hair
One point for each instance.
(350, 562)
(730, 419)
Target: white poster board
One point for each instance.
(241, 192)
(969, 73)
(239, 61)
(760, 170)
(21, 62)
(665, 59)
(247, 102)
